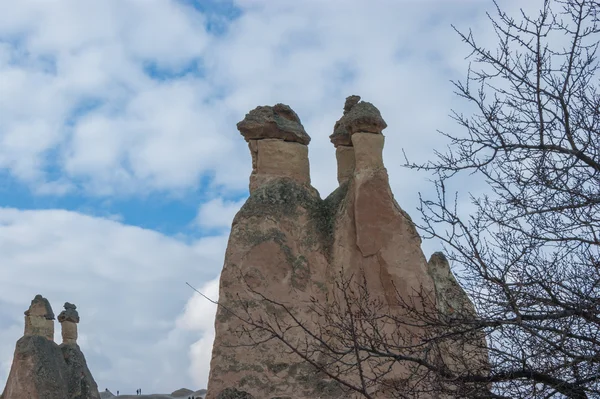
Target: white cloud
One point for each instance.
(140, 134)
(128, 284)
(218, 213)
(199, 316)
(77, 103)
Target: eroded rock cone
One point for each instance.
(38, 370)
(275, 248)
(41, 369)
(288, 245)
(79, 380)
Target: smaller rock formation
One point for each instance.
(278, 145)
(467, 351)
(68, 320)
(360, 127)
(41, 369)
(39, 318)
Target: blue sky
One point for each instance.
(121, 167)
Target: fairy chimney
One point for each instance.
(39, 318)
(288, 244)
(68, 320)
(278, 144)
(41, 369)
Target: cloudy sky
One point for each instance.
(121, 167)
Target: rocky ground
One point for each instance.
(198, 394)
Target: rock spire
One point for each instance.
(278, 144)
(68, 320)
(41, 369)
(288, 244)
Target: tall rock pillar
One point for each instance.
(68, 320)
(275, 249)
(41, 369)
(289, 246)
(39, 318)
(278, 144)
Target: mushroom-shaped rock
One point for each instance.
(276, 122)
(69, 314)
(278, 145)
(359, 117)
(39, 318)
(40, 307)
(68, 319)
(364, 117)
(351, 101)
(341, 136)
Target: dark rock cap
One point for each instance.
(276, 122)
(359, 116)
(351, 101)
(69, 314)
(364, 117)
(39, 303)
(439, 260)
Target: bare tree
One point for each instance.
(528, 253)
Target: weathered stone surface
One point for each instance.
(38, 370)
(69, 314)
(466, 351)
(351, 101)
(68, 319)
(39, 318)
(287, 244)
(273, 159)
(43, 370)
(345, 163)
(451, 298)
(368, 151)
(69, 332)
(40, 307)
(275, 248)
(364, 117)
(358, 117)
(79, 380)
(340, 135)
(276, 122)
(232, 393)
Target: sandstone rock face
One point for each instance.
(39, 318)
(41, 369)
(79, 380)
(277, 122)
(276, 158)
(451, 300)
(68, 320)
(346, 163)
(278, 145)
(38, 370)
(288, 244)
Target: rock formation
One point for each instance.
(278, 145)
(41, 369)
(68, 320)
(39, 318)
(289, 245)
